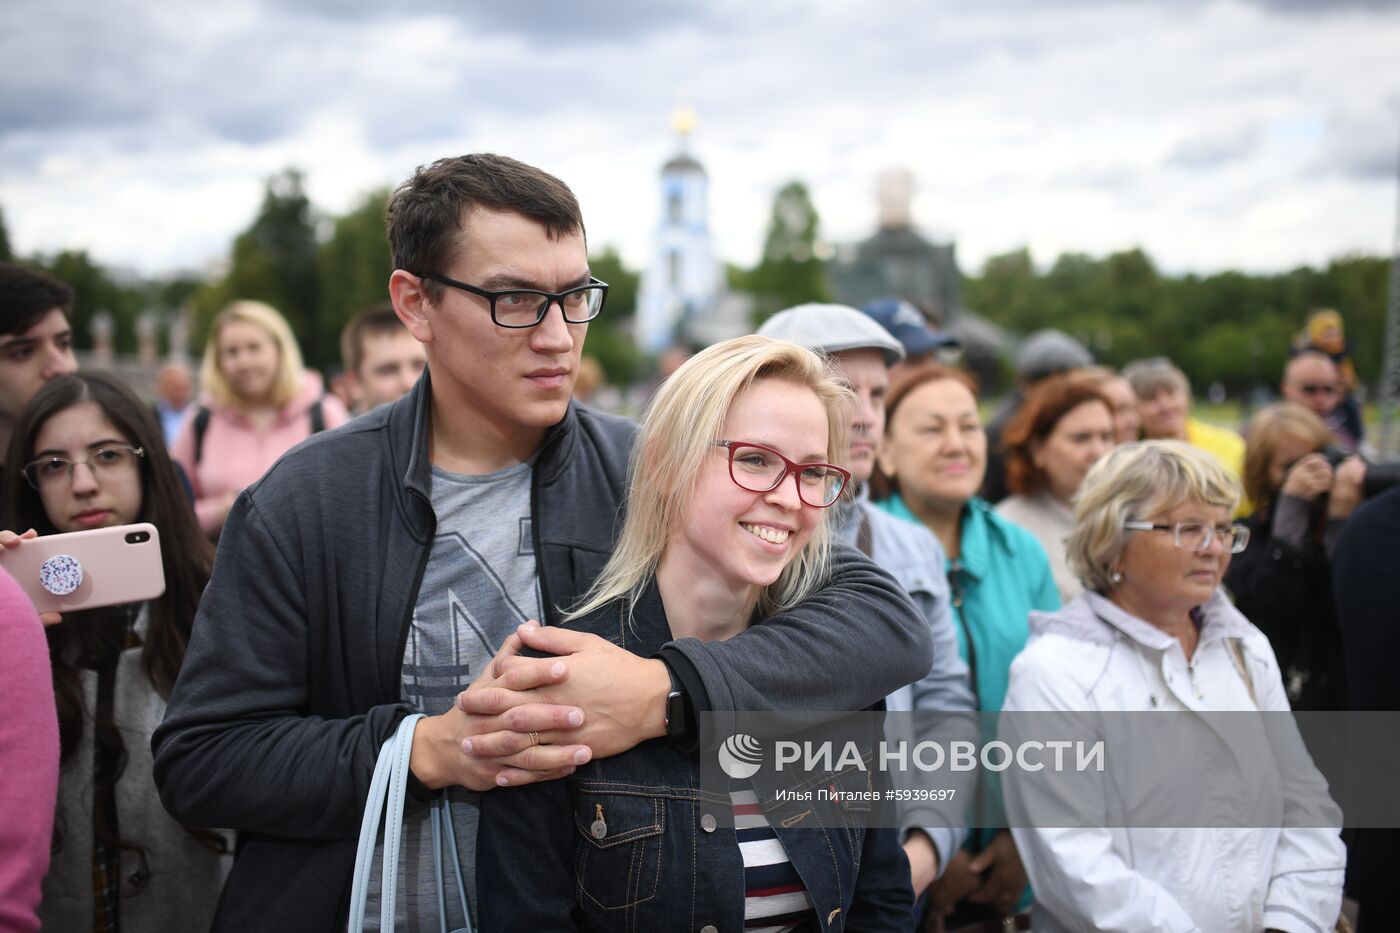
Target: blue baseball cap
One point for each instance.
(908, 326)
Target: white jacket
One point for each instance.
(1093, 656)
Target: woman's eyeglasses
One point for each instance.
(1197, 536)
(757, 468)
(48, 472)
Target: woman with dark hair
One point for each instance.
(1065, 424)
(1283, 583)
(119, 863)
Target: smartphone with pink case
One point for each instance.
(88, 569)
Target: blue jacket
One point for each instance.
(665, 856)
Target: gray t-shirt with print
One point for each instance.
(479, 585)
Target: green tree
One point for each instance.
(610, 339)
(274, 260)
(1229, 327)
(93, 291)
(790, 272)
(1008, 292)
(353, 265)
(6, 253)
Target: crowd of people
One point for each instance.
(810, 519)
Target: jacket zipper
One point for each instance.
(407, 623)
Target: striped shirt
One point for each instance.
(775, 900)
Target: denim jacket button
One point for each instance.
(707, 823)
(708, 928)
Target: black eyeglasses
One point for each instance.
(757, 468)
(526, 307)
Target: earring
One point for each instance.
(1116, 577)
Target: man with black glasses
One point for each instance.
(377, 569)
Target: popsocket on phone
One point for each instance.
(61, 574)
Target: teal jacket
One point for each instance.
(1000, 576)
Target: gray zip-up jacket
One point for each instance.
(291, 681)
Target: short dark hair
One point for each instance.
(425, 213)
(26, 295)
(379, 320)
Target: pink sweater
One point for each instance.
(236, 453)
(28, 759)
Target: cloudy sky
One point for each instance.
(1258, 135)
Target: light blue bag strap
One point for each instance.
(390, 778)
(387, 790)
(442, 826)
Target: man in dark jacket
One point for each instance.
(1366, 590)
(378, 569)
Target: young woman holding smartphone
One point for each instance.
(87, 453)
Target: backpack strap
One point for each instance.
(201, 425)
(318, 417)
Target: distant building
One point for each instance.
(897, 261)
(682, 298)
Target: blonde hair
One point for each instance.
(1266, 429)
(1129, 483)
(676, 436)
(289, 366)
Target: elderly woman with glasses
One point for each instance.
(1154, 631)
(726, 525)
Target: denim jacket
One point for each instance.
(635, 842)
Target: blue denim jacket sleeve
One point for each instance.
(524, 852)
(884, 895)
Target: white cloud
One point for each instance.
(1213, 134)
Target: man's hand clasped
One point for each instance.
(523, 720)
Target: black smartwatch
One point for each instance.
(677, 706)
